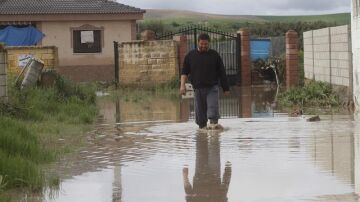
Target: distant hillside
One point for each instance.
(183, 16)
(339, 18)
(163, 14)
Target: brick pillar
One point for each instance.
(245, 58)
(148, 35)
(3, 86)
(246, 102)
(182, 48)
(292, 63)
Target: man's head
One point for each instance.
(203, 42)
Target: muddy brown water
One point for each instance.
(151, 151)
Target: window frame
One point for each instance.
(87, 27)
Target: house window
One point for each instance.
(87, 41)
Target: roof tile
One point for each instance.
(25, 7)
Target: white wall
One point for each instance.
(355, 25)
(327, 55)
(58, 34)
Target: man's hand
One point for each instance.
(182, 90)
(182, 84)
(226, 93)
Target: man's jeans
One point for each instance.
(206, 105)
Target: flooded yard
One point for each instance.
(150, 150)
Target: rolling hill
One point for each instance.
(181, 16)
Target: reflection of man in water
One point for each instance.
(207, 185)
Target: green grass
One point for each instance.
(137, 93)
(312, 94)
(301, 67)
(31, 124)
(341, 19)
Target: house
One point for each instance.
(82, 30)
(355, 26)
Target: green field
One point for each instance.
(165, 21)
(340, 18)
(182, 17)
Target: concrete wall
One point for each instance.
(3, 86)
(327, 55)
(48, 54)
(87, 66)
(355, 25)
(148, 62)
(357, 155)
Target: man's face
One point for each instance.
(203, 45)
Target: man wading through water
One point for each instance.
(206, 69)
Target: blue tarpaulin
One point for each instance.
(27, 36)
(260, 49)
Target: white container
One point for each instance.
(33, 73)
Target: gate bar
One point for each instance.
(195, 38)
(116, 56)
(238, 56)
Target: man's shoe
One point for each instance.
(203, 129)
(215, 126)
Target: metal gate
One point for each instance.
(226, 44)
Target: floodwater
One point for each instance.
(150, 150)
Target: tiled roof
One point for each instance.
(26, 7)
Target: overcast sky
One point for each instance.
(247, 7)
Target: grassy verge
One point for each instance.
(301, 67)
(34, 125)
(313, 94)
(139, 93)
(171, 86)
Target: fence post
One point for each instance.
(3, 82)
(195, 38)
(182, 49)
(238, 57)
(245, 71)
(116, 57)
(292, 60)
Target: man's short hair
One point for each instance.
(204, 36)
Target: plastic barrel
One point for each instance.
(33, 73)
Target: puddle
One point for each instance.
(151, 151)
